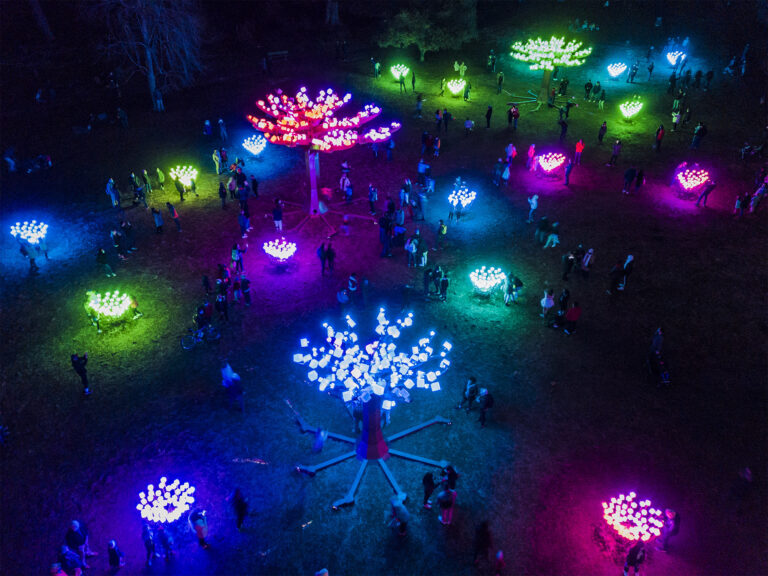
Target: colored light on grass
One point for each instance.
(551, 161)
(690, 179)
(111, 304)
(547, 54)
(456, 85)
(463, 196)
(359, 370)
(31, 232)
(676, 57)
(166, 503)
(616, 69)
(380, 134)
(281, 249)
(255, 144)
(399, 71)
(630, 108)
(486, 280)
(184, 174)
(633, 520)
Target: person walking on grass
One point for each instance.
(601, 100)
(512, 291)
(237, 257)
(174, 214)
(323, 256)
(158, 219)
(486, 403)
(223, 195)
(572, 317)
(615, 153)
(277, 216)
(547, 302)
(635, 558)
(428, 481)
(78, 364)
(629, 177)
(179, 188)
(446, 499)
(488, 114)
(568, 170)
(240, 506)
(706, 191)
(659, 137)
(499, 82)
(244, 222)
(579, 150)
(639, 180)
(601, 132)
(469, 395)
(160, 178)
(533, 203)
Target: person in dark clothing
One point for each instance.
(429, 487)
(671, 528)
(601, 132)
(483, 542)
(444, 282)
(450, 477)
(427, 281)
(174, 215)
(78, 363)
(240, 506)
(565, 296)
(323, 255)
(222, 306)
(207, 285)
(635, 558)
(330, 256)
(70, 561)
(469, 394)
(568, 262)
(76, 539)
(488, 114)
(223, 195)
(179, 189)
(116, 556)
(486, 403)
(563, 129)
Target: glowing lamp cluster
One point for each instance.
(109, 305)
(551, 161)
(547, 54)
(456, 85)
(184, 174)
(616, 69)
(31, 232)
(399, 71)
(692, 178)
(281, 249)
(486, 280)
(255, 144)
(630, 108)
(378, 367)
(675, 57)
(463, 196)
(633, 520)
(166, 503)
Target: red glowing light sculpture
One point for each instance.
(633, 520)
(551, 161)
(301, 121)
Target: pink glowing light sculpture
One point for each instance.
(551, 161)
(633, 520)
(691, 178)
(281, 249)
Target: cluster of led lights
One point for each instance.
(110, 304)
(399, 71)
(616, 69)
(281, 249)
(630, 108)
(633, 520)
(547, 54)
(361, 369)
(166, 503)
(184, 174)
(31, 232)
(463, 196)
(456, 85)
(486, 280)
(675, 57)
(551, 161)
(255, 144)
(300, 121)
(691, 178)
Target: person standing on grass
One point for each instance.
(671, 528)
(706, 191)
(401, 82)
(568, 170)
(277, 216)
(488, 114)
(601, 100)
(78, 364)
(429, 487)
(639, 180)
(499, 82)
(635, 558)
(533, 203)
(442, 86)
(659, 137)
(160, 178)
(469, 395)
(514, 284)
(486, 403)
(587, 89)
(547, 302)
(399, 516)
(222, 305)
(116, 556)
(615, 153)
(179, 189)
(217, 160)
(483, 542)
(413, 81)
(240, 506)
(629, 177)
(174, 214)
(237, 257)
(245, 286)
(243, 222)
(572, 317)
(223, 131)
(579, 150)
(446, 499)
(323, 256)
(514, 112)
(158, 219)
(601, 132)
(442, 232)
(698, 133)
(223, 195)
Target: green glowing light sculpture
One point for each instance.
(185, 174)
(456, 85)
(399, 70)
(546, 55)
(111, 305)
(630, 108)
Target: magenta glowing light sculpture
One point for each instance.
(551, 161)
(462, 195)
(280, 249)
(676, 57)
(633, 520)
(166, 503)
(255, 144)
(31, 232)
(691, 178)
(630, 108)
(616, 69)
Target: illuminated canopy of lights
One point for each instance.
(281, 249)
(378, 367)
(166, 503)
(630, 108)
(110, 305)
(399, 71)
(456, 85)
(463, 196)
(184, 174)
(300, 121)
(633, 520)
(547, 54)
(551, 161)
(255, 144)
(675, 57)
(32, 232)
(616, 69)
(486, 280)
(691, 178)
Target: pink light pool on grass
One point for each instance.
(281, 249)
(633, 520)
(551, 161)
(690, 179)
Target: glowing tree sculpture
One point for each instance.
(675, 57)
(690, 178)
(633, 520)
(487, 280)
(167, 503)
(184, 174)
(462, 195)
(281, 250)
(456, 86)
(110, 306)
(546, 55)
(399, 71)
(255, 144)
(31, 232)
(551, 161)
(616, 69)
(313, 125)
(630, 108)
(377, 374)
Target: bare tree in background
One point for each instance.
(332, 12)
(41, 20)
(161, 38)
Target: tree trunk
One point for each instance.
(313, 172)
(422, 52)
(332, 12)
(470, 12)
(544, 88)
(150, 64)
(42, 21)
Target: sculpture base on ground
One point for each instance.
(349, 497)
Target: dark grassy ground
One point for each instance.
(576, 420)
